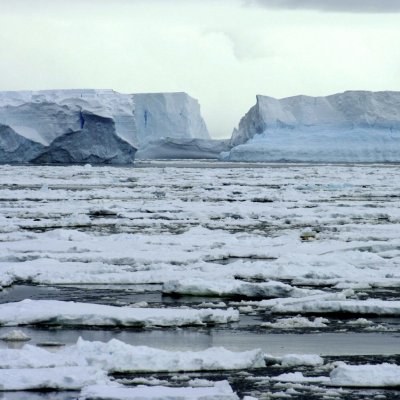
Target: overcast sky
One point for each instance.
(223, 52)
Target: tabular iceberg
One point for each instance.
(94, 126)
(354, 126)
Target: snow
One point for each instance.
(380, 375)
(354, 126)
(117, 356)
(53, 312)
(291, 360)
(294, 360)
(205, 287)
(227, 229)
(296, 323)
(62, 378)
(344, 375)
(94, 126)
(298, 377)
(36, 357)
(369, 307)
(15, 336)
(220, 391)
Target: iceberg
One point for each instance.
(97, 126)
(17, 148)
(354, 126)
(183, 148)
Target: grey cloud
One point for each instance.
(356, 6)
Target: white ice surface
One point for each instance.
(59, 378)
(117, 356)
(70, 313)
(378, 375)
(47, 115)
(220, 391)
(370, 306)
(296, 323)
(355, 126)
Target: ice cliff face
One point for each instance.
(97, 143)
(16, 147)
(171, 148)
(96, 126)
(175, 115)
(354, 126)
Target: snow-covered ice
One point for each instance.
(117, 356)
(15, 336)
(220, 391)
(53, 312)
(59, 378)
(119, 242)
(354, 126)
(369, 307)
(379, 375)
(296, 323)
(96, 126)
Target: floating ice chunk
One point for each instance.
(296, 323)
(59, 378)
(55, 312)
(298, 377)
(232, 287)
(368, 307)
(116, 356)
(207, 304)
(292, 360)
(220, 391)
(360, 322)
(380, 375)
(139, 304)
(15, 336)
(35, 357)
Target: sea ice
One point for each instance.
(116, 356)
(220, 391)
(58, 378)
(380, 375)
(28, 312)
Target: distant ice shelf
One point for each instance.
(355, 126)
(97, 126)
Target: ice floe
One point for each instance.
(378, 375)
(118, 356)
(53, 312)
(15, 336)
(219, 391)
(59, 378)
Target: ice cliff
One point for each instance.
(354, 126)
(183, 148)
(92, 126)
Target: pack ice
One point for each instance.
(354, 126)
(99, 126)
